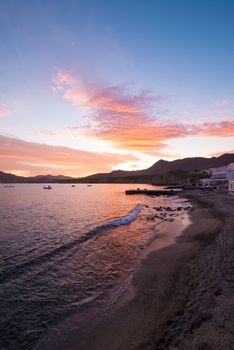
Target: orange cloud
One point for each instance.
(222, 129)
(126, 119)
(32, 158)
(139, 133)
(97, 96)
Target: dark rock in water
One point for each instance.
(146, 206)
(179, 208)
(187, 208)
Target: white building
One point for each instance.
(231, 186)
(220, 177)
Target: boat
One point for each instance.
(47, 187)
(73, 186)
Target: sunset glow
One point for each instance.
(75, 98)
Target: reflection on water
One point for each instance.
(64, 249)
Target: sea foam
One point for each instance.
(124, 220)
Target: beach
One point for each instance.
(182, 293)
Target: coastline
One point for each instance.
(176, 288)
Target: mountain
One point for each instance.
(51, 178)
(162, 172)
(190, 164)
(11, 178)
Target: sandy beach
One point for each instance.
(182, 294)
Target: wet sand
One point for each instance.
(182, 294)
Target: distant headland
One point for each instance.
(162, 173)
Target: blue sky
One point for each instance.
(181, 53)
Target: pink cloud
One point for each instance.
(97, 96)
(127, 119)
(33, 158)
(220, 129)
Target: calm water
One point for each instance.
(66, 250)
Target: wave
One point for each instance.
(125, 220)
(24, 266)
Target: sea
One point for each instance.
(69, 253)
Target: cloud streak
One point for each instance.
(31, 158)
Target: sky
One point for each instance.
(94, 86)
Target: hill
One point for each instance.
(11, 178)
(162, 172)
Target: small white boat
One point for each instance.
(47, 187)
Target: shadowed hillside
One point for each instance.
(162, 172)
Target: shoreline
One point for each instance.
(172, 293)
(60, 337)
(171, 286)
